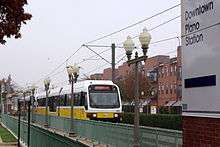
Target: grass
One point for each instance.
(6, 135)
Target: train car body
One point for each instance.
(93, 99)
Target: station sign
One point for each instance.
(200, 32)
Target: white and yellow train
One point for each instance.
(93, 99)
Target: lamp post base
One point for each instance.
(72, 134)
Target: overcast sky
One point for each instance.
(58, 28)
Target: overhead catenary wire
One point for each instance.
(99, 67)
(151, 29)
(155, 42)
(129, 26)
(118, 45)
(60, 65)
(87, 74)
(121, 58)
(96, 53)
(132, 25)
(167, 39)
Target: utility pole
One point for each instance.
(47, 87)
(19, 122)
(24, 106)
(29, 122)
(113, 62)
(32, 100)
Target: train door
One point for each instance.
(52, 103)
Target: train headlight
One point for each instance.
(116, 115)
(94, 115)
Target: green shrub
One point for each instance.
(167, 121)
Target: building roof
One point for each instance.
(178, 103)
(170, 103)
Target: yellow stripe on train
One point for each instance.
(79, 113)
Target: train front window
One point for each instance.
(103, 97)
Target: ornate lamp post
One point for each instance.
(24, 104)
(144, 38)
(47, 86)
(32, 101)
(73, 73)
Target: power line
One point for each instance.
(63, 62)
(96, 68)
(156, 42)
(161, 24)
(113, 34)
(163, 40)
(136, 35)
(151, 29)
(60, 65)
(92, 57)
(132, 25)
(86, 75)
(120, 59)
(96, 53)
(58, 72)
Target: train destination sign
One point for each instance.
(200, 29)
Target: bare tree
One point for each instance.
(127, 86)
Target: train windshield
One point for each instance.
(103, 96)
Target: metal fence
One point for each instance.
(39, 137)
(116, 135)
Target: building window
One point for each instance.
(160, 72)
(159, 89)
(171, 70)
(171, 89)
(162, 89)
(180, 73)
(165, 71)
(175, 88)
(167, 89)
(175, 69)
(179, 91)
(152, 75)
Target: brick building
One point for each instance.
(96, 76)
(123, 71)
(169, 81)
(164, 74)
(107, 74)
(150, 70)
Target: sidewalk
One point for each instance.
(6, 138)
(12, 144)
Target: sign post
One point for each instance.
(201, 72)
